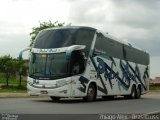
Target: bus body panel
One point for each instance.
(119, 78)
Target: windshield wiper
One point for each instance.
(57, 75)
(36, 73)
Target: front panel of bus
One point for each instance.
(50, 68)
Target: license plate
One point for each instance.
(44, 92)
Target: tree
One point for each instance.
(7, 66)
(12, 67)
(43, 25)
(21, 69)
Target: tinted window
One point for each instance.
(84, 37)
(54, 38)
(110, 47)
(121, 51)
(48, 66)
(57, 38)
(135, 55)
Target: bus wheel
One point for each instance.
(138, 93)
(91, 93)
(133, 92)
(55, 99)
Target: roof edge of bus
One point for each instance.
(64, 27)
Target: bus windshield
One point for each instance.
(48, 66)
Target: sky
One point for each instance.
(135, 21)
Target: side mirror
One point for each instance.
(73, 48)
(21, 53)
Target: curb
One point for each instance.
(18, 95)
(14, 95)
(152, 92)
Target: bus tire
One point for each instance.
(91, 93)
(138, 92)
(133, 92)
(55, 99)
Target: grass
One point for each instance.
(13, 87)
(12, 81)
(154, 88)
(12, 90)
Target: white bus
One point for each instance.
(84, 62)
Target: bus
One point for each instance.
(83, 62)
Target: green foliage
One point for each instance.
(154, 87)
(21, 69)
(13, 89)
(7, 66)
(12, 81)
(10, 67)
(43, 25)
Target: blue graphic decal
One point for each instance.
(127, 75)
(109, 74)
(138, 76)
(83, 80)
(101, 89)
(104, 89)
(146, 75)
(108, 71)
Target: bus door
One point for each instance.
(77, 68)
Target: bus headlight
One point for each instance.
(29, 82)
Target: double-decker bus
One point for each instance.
(78, 61)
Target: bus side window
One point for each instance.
(124, 52)
(77, 63)
(84, 37)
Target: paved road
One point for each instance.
(147, 104)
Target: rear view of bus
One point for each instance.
(83, 62)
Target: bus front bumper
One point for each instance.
(63, 91)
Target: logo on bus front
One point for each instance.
(35, 81)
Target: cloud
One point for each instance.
(13, 38)
(21, 0)
(146, 3)
(18, 17)
(90, 12)
(32, 11)
(137, 13)
(13, 43)
(150, 46)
